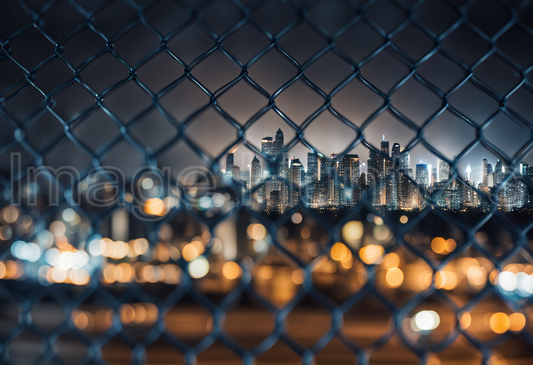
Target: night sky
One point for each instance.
(443, 49)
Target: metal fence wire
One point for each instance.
(120, 90)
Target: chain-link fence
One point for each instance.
(147, 219)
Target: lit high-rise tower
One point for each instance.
(443, 173)
(256, 172)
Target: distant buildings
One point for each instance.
(340, 183)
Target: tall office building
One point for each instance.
(312, 167)
(485, 172)
(349, 171)
(422, 174)
(230, 161)
(499, 172)
(256, 172)
(443, 171)
(405, 160)
(295, 181)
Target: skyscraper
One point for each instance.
(498, 172)
(268, 146)
(312, 167)
(295, 181)
(485, 172)
(443, 171)
(422, 174)
(229, 164)
(256, 172)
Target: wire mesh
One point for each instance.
(65, 66)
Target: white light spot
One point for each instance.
(507, 281)
(69, 214)
(199, 267)
(147, 183)
(425, 321)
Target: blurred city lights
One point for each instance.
(426, 320)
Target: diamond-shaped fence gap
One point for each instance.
(251, 101)
(291, 43)
(268, 125)
(179, 167)
(338, 275)
(272, 71)
(376, 132)
(221, 15)
(127, 102)
(401, 276)
(95, 130)
(70, 349)
(331, 16)
(432, 322)
(335, 351)
(480, 105)
(447, 76)
(509, 43)
(47, 314)
(495, 238)
(514, 279)
(115, 349)
(190, 43)
(246, 42)
(13, 18)
(319, 134)
(62, 19)
(387, 15)
(159, 71)
(360, 41)
(67, 153)
(138, 319)
(489, 17)
(106, 21)
(274, 16)
(188, 321)
(147, 42)
(359, 109)
(276, 277)
(82, 45)
(521, 102)
(97, 79)
(31, 48)
(115, 158)
(489, 318)
(497, 74)
(210, 128)
(247, 311)
(466, 45)
(307, 322)
(414, 42)
(384, 70)
(25, 348)
(393, 346)
(153, 131)
(366, 322)
(295, 235)
(184, 99)
(524, 16)
(25, 104)
(514, 131)
(12, 74)
(440, 130)
(166, 15)
(54, 74)
(416, 101)
(434, 237)
(328, 71)
(438, 18)
(299, 101)
(216, 71)
(160, 351)
(73, 101)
